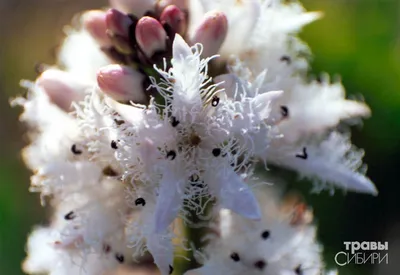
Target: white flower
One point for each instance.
(253, 25)
(282, 243)
(194, 139)
(334, 160)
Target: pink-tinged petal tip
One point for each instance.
(150, 35)
(211, 32)
(121, 83)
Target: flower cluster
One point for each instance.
(282, 243)
(158, 111)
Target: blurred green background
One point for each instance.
(357, 39)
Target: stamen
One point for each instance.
(174, 121)
(260, 264)
(120, 258)
(286, 59)
(265, 234)
(304, 155)
(171, 155)
(215, 101)
(140, 201)
(75, 150)
(216, 152)
(235, 257)
(70, 216)
(114, 144)
(284, 111)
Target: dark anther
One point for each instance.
(70, 216)
(215, 101)
(284, 111)
(171, 155)
(171, 269)
(265, 234)
(119, 121)
(140, 201)
(120, 258)
(75, 150)
(298, 270)
(174, 121)
(106, 248)
(216, 152)
(194, 178)
(235, 257)
(260, 264)
(304, 155)
(114, 144)
(286, 59)
(109, 172)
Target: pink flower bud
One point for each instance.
(135, 7)
(121, 83)
(62, 87)
(181, 4)
(118, 23)
(174, 17)
(95, 23)
(211, 32)
(150, 35)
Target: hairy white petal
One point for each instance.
(334, 160)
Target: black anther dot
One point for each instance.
(120, 258)
(298, 270)
(286, 59)
(109, 172)
(140, 201)
(171, 155)
(265, 235)
(70, 216)
(114, 144)
(235, 257)
(304, 155)
(260, 264)
(106, 248)
(215, 101)
(75, 150)
(194, 178)
(174, 121)
(216, 152)
(171, 269)
(284, 111)
(119, 122)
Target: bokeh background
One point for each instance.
(357, 39)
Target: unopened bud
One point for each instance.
(181, 4)
(135, 7)
(121, 83)
(211, 32)
(94, 22)
(150, 35)
(62, 88)
(118, 23)
(175, 18)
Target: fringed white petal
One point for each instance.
(334, 161)
(169, 200)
